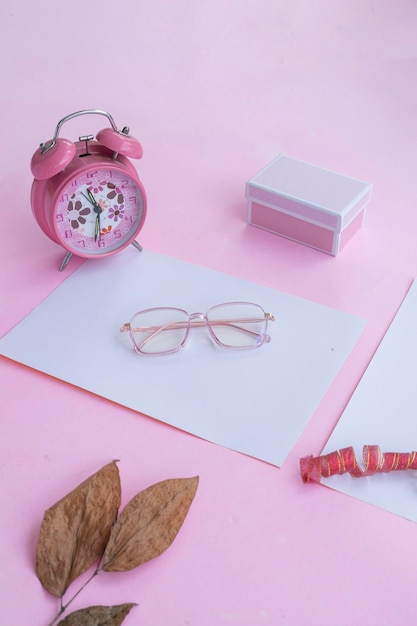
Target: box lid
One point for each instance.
(312, 192)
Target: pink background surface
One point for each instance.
(214, 90)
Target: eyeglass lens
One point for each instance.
(159, 331)
(237, 325)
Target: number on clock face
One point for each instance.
(99, 211)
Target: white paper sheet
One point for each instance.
(383, 411)
(256, 402)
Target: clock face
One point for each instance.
(99, 212)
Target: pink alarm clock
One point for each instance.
(87, 196)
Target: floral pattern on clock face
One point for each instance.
(99, 211)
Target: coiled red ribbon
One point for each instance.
(343, 461)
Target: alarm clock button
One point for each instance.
(46, 164)
(119, 142)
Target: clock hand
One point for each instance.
(97, 210)
(97, 229)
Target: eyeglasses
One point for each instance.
(164, 330)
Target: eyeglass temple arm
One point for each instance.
(158, 329)
(196, 323)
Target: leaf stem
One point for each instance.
(57, 616)
(65, 606)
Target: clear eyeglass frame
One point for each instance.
(231, 325)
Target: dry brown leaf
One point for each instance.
(149, 524)
(98, 616)
(75, 530)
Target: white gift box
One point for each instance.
(307, 203)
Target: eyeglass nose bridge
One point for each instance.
(200, 320)
(198, 317)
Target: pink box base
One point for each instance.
(292, 227)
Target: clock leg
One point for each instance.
(138, 246)
(65, 261)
